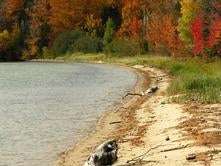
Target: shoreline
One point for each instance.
(106, 128)
(154, 130)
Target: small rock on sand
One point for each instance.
(167, 138)
(138, 66)
(191, 156)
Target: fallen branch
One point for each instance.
(176, 148)
(149, 91)
(133, 94)
(123, 108)
(120, 109)
(115, 122)
(159, 76)
(138, 163)
(140, 159)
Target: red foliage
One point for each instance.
(197, 33)
(215, 32)
(135, 27)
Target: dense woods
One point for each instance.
(47, 28)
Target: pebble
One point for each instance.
(191, 156)
(167, 138)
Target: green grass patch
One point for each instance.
(194, 79)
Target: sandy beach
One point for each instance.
(152, 130)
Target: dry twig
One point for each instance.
(133, 94)
(176, 148)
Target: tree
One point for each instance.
(132, 19)
(12, 10)
(9, 42)
(189, 10)
(62, 16)
(162, 22)
(206, 29)
(39, 28)
(4, 40)
(197, 33)
(215, 32)
(109, 32)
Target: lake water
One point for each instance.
(46, 108)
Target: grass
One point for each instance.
(196, 79)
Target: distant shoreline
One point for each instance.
(47, 60)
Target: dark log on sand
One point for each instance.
(105, 154)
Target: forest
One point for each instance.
(31, 29)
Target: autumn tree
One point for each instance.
(206, 29)
(62, 15)
(212, 26)
(131, 15)
(214, 37)
(189, 10)
(197, 35)
(162, 33)
(39, 28)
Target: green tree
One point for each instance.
(64, 41)
(109, 32)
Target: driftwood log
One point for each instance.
(152, 89)
(149, 91)
(105, 154)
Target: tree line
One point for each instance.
(35, 28)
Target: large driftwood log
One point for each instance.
(105, 154)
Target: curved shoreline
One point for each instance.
(152, 123)
(106, 128)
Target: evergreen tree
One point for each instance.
(109, 32)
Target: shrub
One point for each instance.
(47, 53)
(64, 42)
(122, 48)
(10, 45)
(87, 44)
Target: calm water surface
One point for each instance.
(46, 108)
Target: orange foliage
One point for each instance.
(11, 7)
(163, 31)
(62, 15)
(132, 23)
(40, 13)
(70, 14)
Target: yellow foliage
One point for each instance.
(4, 39)
(189, 9)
